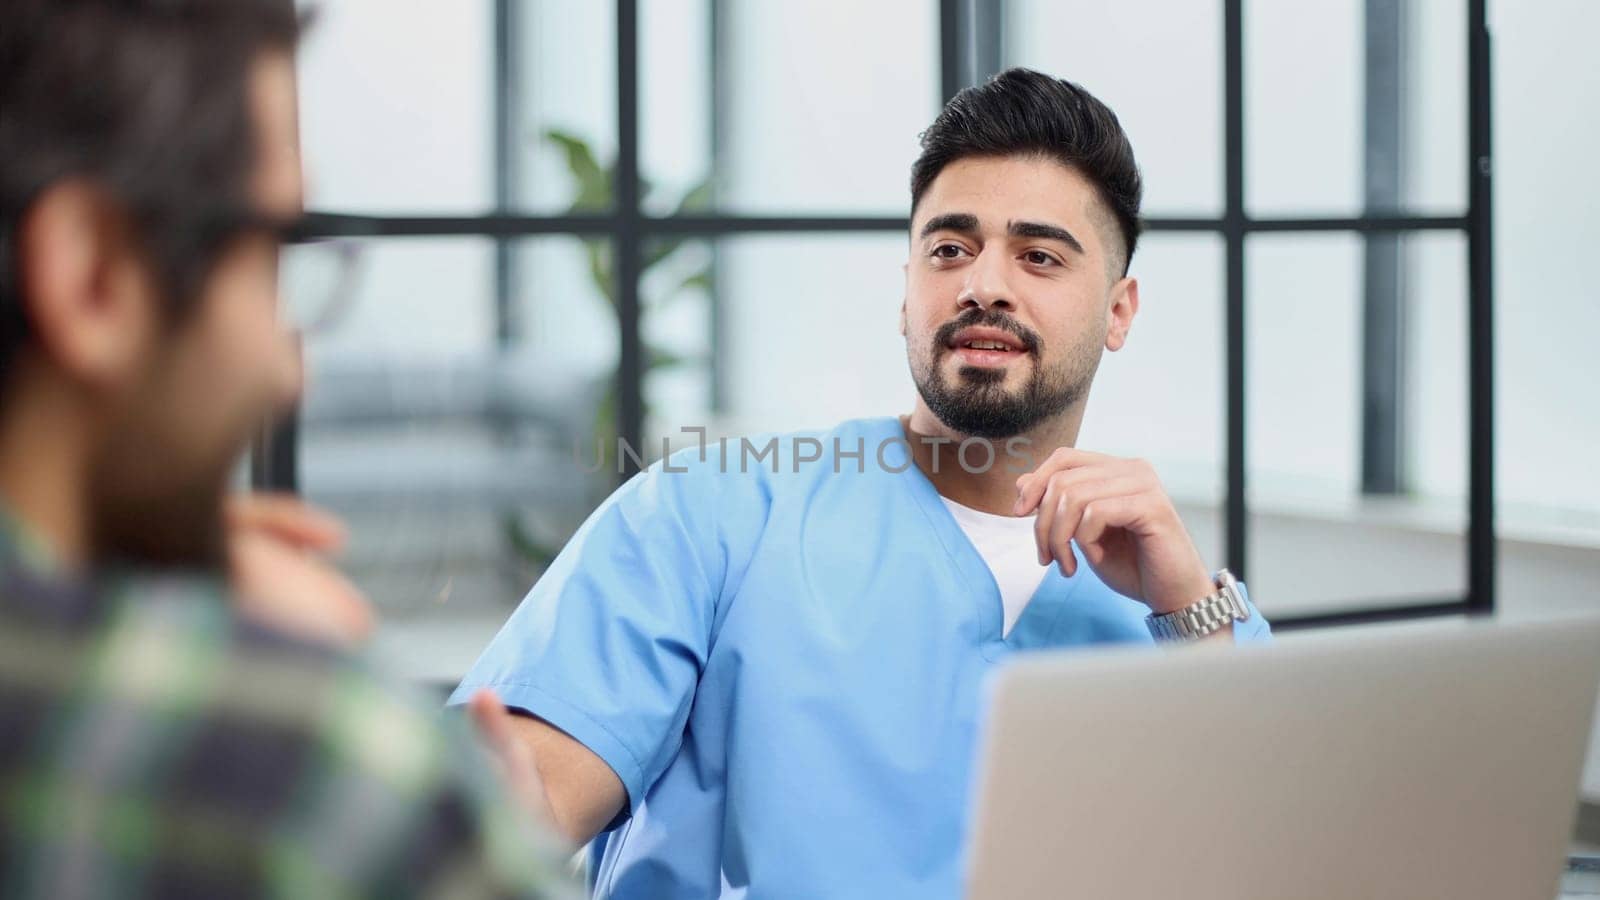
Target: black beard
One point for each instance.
(154, 502)
(177, 527)
(977, 403)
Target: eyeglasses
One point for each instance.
(317, 273)
(317, 280)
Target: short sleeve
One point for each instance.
(610, 643)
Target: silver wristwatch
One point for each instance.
(1208, 616)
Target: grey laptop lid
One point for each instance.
(1406, 762)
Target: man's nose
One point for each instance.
(986, 284)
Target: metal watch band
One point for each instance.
(1206, 617)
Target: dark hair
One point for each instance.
(148, 99)
(1021, 112)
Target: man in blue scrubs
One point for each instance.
(756, 670)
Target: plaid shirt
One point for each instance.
(153, 745)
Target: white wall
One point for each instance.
(1547, 225)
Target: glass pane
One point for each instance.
(1303, 315)
(824, 102)
(1435, 174)
(383, 134)
(414, 298)
(396, 110)
(1161, 396)
(812, 330)
(675, 87)
(1436, 383)
(453, 455)
(565, 318)
(679, 325)
(1173, 120)
(1305, 71)
(1303, 107)
(562, 105)
(560, 366)
(1317, 542)
(1546, 316)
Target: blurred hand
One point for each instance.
(513, 756)
(277, 549)
(1122, 520)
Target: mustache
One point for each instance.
(987, 318)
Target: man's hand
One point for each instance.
(276, 549)
(514, 757)
(1123, 521)
(551, 774)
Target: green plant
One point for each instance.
(595, 191)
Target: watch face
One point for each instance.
(1232, 597)
(1240, 609)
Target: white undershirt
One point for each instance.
(1006, 543)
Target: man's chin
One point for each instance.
(968, 377)
(993, 415)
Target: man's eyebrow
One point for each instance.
(963, 223)
(1046, 232)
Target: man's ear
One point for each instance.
(86, 291)
(1119, 314)
(905, 271)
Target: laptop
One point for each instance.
(1402, 762)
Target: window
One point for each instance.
(605, 220)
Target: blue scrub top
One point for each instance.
(782, 659)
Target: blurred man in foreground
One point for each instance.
(153, 741)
